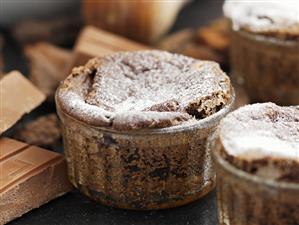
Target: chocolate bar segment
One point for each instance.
(48, 64)
(94, 42)
(29, 177)
(17, 96)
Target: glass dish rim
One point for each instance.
(268, 40)
(202, 123)
(247, 176)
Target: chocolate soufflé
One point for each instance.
(257, 158)
(264, 52)
(135, 125)
(146, 89)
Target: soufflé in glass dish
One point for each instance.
(135, 127)
(256, 150)
(264, 50)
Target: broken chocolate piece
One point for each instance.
(30, 176)
(17, 101)
(209, 43)
(44, 132)
(184, 42)
(216, 35)
(48, 66)
(176, 42)
(213, 38)
(94, 42)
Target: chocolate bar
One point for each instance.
(94, 42)
(29, 177)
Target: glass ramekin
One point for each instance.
(246, 199)
(142, 169)
(268, 68)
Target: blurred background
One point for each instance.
(26, 22)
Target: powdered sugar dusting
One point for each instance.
(262, 131)
(270, 15)
(146, 84)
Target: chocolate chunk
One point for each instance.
(176, 42)
(48, 66)
(210, 42)
(94, 42)
(18, 101)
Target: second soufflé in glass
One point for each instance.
(265, 48)
(257, 163)
(135, 126)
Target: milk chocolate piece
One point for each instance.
(94, 42)
(216, 35)
(210, 42)
(213, 38)
(176, 42)
(185, 42)
(18, 96)
(29, 177)
(48, 65)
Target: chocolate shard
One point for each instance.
(210, 42)
(48, 66)
(215, 35)
(94, 42)
(15, 102)
(202, 52)
(184, 42)
(176, 42)
(213, 38)
(30, 176)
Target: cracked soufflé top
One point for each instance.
(144, 89)
(273, 18)
(263, 139)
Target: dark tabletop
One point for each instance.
(75, 209)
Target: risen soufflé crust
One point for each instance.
(144, 89)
